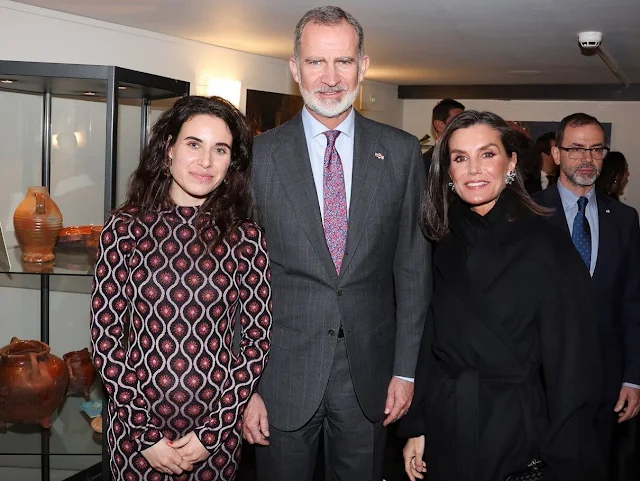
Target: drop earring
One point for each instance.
(452, 187)
(510, 177)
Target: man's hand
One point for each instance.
(399, 396)
(255, 426)
(413, 454)
(190, 448)
(632, 397)
(162, 457)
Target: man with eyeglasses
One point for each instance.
(606, 234)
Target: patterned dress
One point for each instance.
(163, 314)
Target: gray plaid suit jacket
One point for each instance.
(383, 291)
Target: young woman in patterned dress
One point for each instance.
(175, 263)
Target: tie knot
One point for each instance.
(331, 135)
(582, 203)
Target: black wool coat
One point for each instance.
(509, 368)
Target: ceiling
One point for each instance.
(411, 42)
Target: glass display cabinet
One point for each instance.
(71, 135)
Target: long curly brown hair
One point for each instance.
(149, 185)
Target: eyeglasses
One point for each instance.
(597, 153)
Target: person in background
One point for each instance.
(177, 264)
(549, 169)
(528, 162)
(443, 113)
(614, 176)
(606, 234)
(338, 196)
(509, 367)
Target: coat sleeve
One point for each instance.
(411, 271)
(245, 367)
(572, 369)
(413, 424)
(631, 307)
(110, 313)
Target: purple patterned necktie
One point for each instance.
(335, 200)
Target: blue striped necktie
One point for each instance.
(581, 235)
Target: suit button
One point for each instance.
(339, 292)
(331, 332)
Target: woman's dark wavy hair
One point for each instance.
(230, 203)
(434, 211)
(609, 181)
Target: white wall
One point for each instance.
(40, 35)
(622, 115)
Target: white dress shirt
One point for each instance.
(544, 180)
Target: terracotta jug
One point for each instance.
(37, 222)
(33, 383)
(82, 373)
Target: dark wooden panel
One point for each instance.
(612, 92)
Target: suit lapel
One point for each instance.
(366, 173)
(291, 158)
(554, 201)
(606, 232)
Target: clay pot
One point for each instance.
(33, 383)
(37, 222)
(82, 373)
(94, 241)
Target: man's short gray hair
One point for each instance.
(329, 16)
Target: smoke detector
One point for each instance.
(590, 40)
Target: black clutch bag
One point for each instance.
(533, 472)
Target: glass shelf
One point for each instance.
(70, 434)
(68, 262)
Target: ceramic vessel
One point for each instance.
(94, 240)
(82, 373)
(37, 222)
(33, 383)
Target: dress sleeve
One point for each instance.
(246, 366)
(572, 370)
(110, 313)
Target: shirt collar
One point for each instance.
(313, 127)
(570, 199)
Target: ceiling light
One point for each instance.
(122, 87)
(91, 94)
(7, 81)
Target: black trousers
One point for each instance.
(353, 445)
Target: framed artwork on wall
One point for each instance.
(266, 110)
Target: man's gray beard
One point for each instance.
(581, 180)
(329, 108)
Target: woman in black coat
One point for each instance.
(509, 368)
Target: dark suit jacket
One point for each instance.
(533, 184)
(616, 286)
(387, 259)
(427, 157)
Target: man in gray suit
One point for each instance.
(338, 196)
